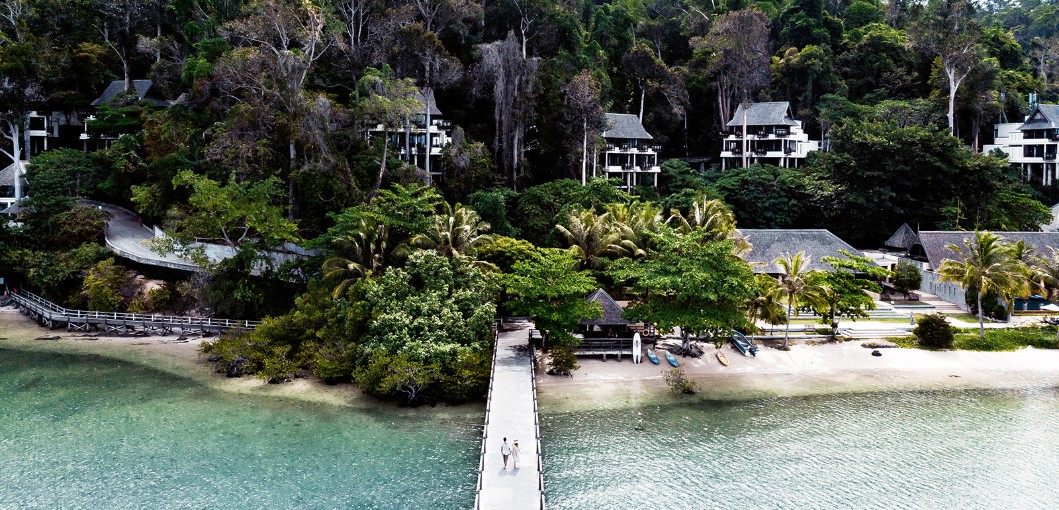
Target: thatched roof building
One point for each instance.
(613, 314)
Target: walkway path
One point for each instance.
(126, 236)
(511, 413)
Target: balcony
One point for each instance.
(1049, 157)
(760, 153)
(762, 134)
(781, 133)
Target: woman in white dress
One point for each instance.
(514, 454)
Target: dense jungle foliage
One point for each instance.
(265, 143)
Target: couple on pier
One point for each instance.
(510, 451)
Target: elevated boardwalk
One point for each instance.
(51, 315)
(511, 412)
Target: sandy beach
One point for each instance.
(804, 370)
(167, 353)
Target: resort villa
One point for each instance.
(767, 245)
(1031, 145)
(927, 249)
(423, 138)
(628, 152)
(765, 133)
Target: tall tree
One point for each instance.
(653, 75)
(798, 286)
(551, 291)
(20, 92)
(121, 24)
(949, 31)
(988, 265)
(511, 80)
(283, 39)
(691, 281)
(739, 41)
(581, 103)
(390, 102)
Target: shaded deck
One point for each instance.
(511, 412)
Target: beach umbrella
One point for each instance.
(1050, 307)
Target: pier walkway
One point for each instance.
(51, 315)
(511, 412)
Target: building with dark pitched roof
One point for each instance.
(767, 245)
(629, 153)
(7, 185)
(932, 245)
(1031, 145)
(765, 133)
(143, 91)
(423, 139)
(903, 239)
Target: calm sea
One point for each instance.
(918, 450)
(80, 431)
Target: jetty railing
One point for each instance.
(485, 427)
(50, 314)
(537, 426)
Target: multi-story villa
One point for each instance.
(628, 153)
(411, 142)
(771, 136)
(1031, 145)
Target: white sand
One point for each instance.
(167, 354)
(804, 370)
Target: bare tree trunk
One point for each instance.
(787, 331)
(290, 180)
(429, 146)
(584, 151)
(981, 314)
(382, 165)
(643, 96)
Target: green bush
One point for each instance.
(933, 332)
(678, 381)
(564, 360)
(1007, 339)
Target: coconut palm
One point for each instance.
(456, 231)
(796, 286)
(366, 252)
(767, 305)
(1045, 273)
(635, 223)
(711, 216)
(590, 236)
(986, 264)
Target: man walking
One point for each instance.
(505, 450)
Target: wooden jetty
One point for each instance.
(51, 315)
(511, 412)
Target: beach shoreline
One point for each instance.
(805, 370)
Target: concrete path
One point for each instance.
(511, 413)
(126, 235)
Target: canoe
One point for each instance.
(651, 356)
(742, 344)
(672, 360)
(721, 357)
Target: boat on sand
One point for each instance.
(722, 358)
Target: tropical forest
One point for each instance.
(277, 123)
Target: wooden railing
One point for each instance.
(55, 312)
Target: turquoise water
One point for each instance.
(90, 432)
(930, 449)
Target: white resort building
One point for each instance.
(628, 152)
(766, 134)
(411, 143)
(1031, 145)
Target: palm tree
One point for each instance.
(711, 216)
(635, 223)
(1045, 273)
(456, 231)
(767, 304)
(986, 264)
(591, 236)
(366, 249)
(796, 286)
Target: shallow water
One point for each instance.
(80, 431)
(925, 449)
